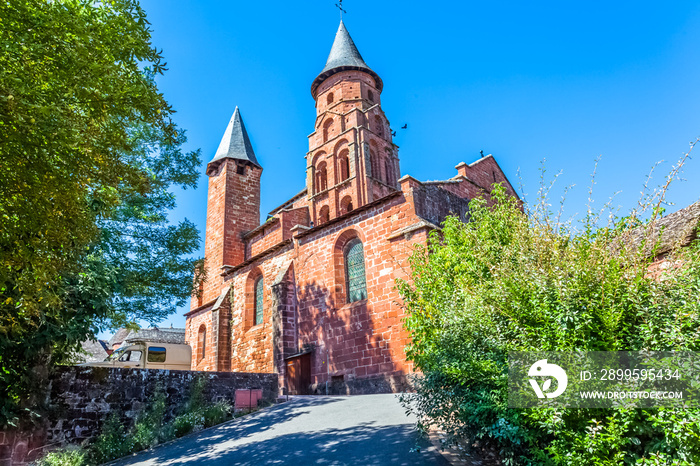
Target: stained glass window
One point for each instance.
(355, 271)
(259, 301)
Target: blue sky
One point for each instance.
(525, 81)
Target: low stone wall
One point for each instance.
(388, 383)
(82, 398)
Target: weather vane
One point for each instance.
(339, 5)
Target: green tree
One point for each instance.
(88, 156)
(511, 280)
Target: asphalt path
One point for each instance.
(317, 430)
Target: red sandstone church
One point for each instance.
(309, 294)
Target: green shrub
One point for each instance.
(198, 412)
(148, 430)
(68, 457)
(514, 281)
(216, 413)
(112, 443)
(197, 401)
(188, 422)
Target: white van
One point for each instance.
(148, 355)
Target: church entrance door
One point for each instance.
(298, 376)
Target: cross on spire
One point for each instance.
(339, 5)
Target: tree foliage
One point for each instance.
(88, 156)
(510, 280)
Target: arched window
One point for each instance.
(370, 96)
(388, 172)
(329, 99)
(321, 177)
(378, 126)
(258, 301)
(355, 271)
(374, 163)
(344, 165)
(323, 215)
(202, 337)
(327, 129)
(346, 205)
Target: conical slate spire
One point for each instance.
(235, 144)
(344, 56)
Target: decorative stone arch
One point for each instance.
(374, 160)
(321, 177)
(319, 158)
(388, 172)
(343, 170)
(379, 125)
(327, 128)
(254, 296)
(340, 145)
(324, 214)
(321, 155)
(391, 169)
(346, 205)
(346, 238)
(329, 98)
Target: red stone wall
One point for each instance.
(350, 340)
(484, 172)
(233, 208)
(194, 322)
(291, 218)
(366, 337)
(265, 238)
(252, 345)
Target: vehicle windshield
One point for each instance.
(117, 352)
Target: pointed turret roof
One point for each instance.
(235, 144)
(344, 56)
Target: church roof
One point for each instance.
(235, 144)
(344, 56)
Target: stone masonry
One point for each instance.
(83, 397)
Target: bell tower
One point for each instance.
(352, 160)
(233, 203)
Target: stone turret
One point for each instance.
(233, 204)
(352, 160)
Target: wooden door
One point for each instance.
(298, 378)
(292, 376)
(305, 374)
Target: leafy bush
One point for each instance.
(188, 422)
(199, 413)
(67, 457)
(510, 280)
(112, 443)
(216, 413)
(148, 430)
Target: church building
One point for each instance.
(309, 294)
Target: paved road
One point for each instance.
(359, 430)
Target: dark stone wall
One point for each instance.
(434, 204)
(383, 383)
(82, 398)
